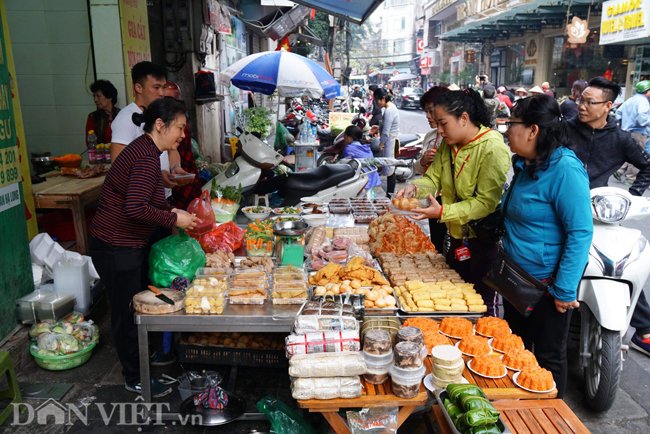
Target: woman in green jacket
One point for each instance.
(480, 161)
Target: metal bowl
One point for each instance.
(290, 229)
(43, 164)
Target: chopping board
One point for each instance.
(146, 302)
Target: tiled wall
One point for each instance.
(51, 47)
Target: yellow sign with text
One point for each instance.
(624, 21)
(135, 38)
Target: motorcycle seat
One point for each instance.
(405, 139)
(320, 178)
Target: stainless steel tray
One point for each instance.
(212, 417)
(440, 314)
(441, 395)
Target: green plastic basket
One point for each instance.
(63, 363)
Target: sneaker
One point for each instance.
(639, 344)
(162, 359)
(628, 183)
(617, 176)
(158, 390)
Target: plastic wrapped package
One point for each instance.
(327, 307)
(323, 342)
(315, 323)
(39, 328)
(176, 255)
(374, 420)
(48, 344)
(283, 419)
(289, 295)
(208, 286)
(326, 388)
(354, 251)
(345, 364)
(86, 331)
(355, 301)
(481, 417)
(247, 295)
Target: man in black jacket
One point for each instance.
(600, 143)
(603, 147)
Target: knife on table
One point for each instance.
(160, 295)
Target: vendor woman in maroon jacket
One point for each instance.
(132, 204)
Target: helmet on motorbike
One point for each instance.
(359, 122)
(642, 86)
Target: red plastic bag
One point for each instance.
(203, 210)
(227, 238)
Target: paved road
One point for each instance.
(631, 411)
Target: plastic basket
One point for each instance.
(231, 356)
(63, 363)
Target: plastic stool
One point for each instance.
(257, 197)
(7, 367)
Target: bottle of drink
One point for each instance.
(99, 154)
(91, 142)
(303, 133)
(107, 153)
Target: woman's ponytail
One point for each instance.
(481, 116)
(457, 102)
(138, 118)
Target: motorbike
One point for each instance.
(609, 290)
(254, 157)
(410, 149)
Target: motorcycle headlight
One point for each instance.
(610, 208)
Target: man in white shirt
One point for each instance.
(149, 85)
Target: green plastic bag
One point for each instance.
(174, 256)
(196, 154)
(283, 419)
(283, 137)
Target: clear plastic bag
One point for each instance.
(354, 251)
(344, 364)
(373, 420)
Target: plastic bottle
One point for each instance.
(107, 153)
(91, 143)
(99, 153)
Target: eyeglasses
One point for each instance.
(511, 123)
(590, 103)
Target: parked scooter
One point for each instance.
(609, 290)
(326, 182)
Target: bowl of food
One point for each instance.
(314, 220)
(287, 211)
(256, 212)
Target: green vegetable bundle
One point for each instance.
(470, 411)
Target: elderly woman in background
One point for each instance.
(548, 227)
(105, 97)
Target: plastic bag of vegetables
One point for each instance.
(40, 328)
(86, 332)
(63, 327)
(48, 345)
(68, 344)
(75, 317)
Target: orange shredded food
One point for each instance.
(430, 330)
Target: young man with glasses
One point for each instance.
(603, 147)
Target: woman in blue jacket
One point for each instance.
(548, 227)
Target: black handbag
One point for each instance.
(488, 230)
(510, 280)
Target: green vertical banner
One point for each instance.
(15, 263)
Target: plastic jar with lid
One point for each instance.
(406, 382)
(377, 367)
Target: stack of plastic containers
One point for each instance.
(378, 354)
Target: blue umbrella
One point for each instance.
(290, 74)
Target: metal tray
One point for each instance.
(441, 395)
(212, 417)
(441, 314)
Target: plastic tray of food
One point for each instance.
(289, 296)
(441, 395)
(340, 209)
(247, 296)
(210, 271)
(339, 202)
(364, 218)
(207, 285)
(183, 179)
(204, 305)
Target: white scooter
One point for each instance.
(617, 271)
(325, 182)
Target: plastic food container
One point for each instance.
(204, 305)
(184, 179)
(364, 218)
(289, 296)
(377, 367)
(406, 382)
(235, 296)
(340, 209)
(209, 271)
(26, 306)
(55, 306)
(208, 285)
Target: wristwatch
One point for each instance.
(174, 167)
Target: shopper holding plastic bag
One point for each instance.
(132, 204)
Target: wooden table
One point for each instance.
(502, 388)
(67, 192)
(373, 395)
(548, 416)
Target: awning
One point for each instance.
(531, 17)
(356, 11)
(372, 74)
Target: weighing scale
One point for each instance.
(306, 155)
(289, 246)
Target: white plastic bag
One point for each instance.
(344, 364)
(326, 388)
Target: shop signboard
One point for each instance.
(420, 45)
(425, 62)
(425, 71)
(135, 38)
(623, 21)
(339, 120)
(439, 6)
(473, 7)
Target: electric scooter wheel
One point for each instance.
(603, 370)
